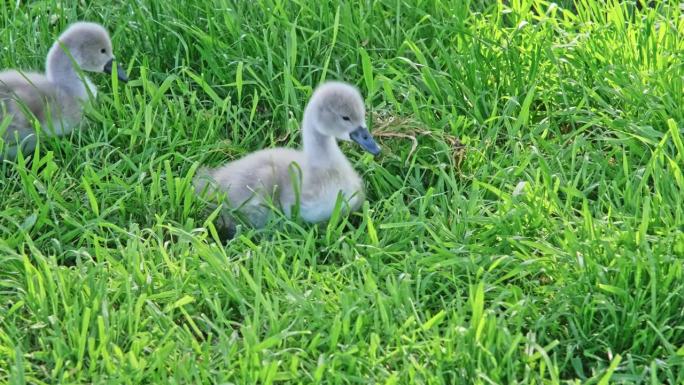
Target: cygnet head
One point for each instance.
(336, 109)
(90, 46)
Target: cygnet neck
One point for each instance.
(320, 150)
(60, 71)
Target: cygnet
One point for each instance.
(55, 98)
(317, 174)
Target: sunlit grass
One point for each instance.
(525, 223)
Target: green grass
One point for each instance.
(547, 248)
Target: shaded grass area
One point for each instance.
(525, 223)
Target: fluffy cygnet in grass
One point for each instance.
(317, 173)
(55, 98)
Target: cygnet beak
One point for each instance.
(365, 140)
(120, 73)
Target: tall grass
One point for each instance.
(525, 223)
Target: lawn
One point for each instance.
(524, 223)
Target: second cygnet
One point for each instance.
(55, 98)
(317, 174)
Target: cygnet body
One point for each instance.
(55, 98)
(317, 173)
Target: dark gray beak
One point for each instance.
(120, 73)
(365, 140)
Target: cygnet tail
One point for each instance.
(203, 180)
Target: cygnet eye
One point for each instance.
(346, 118)
(103, 50)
